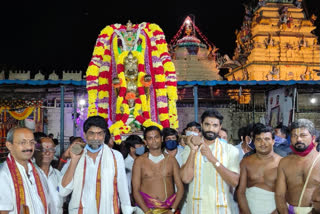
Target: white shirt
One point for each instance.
(128, 162)
(88, 199)
(8, 197)
(89, 189)
(53, 179)
(241, 152)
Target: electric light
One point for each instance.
(82, 102)
(313, 100)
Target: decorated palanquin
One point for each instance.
(131, 80)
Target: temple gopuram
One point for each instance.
(193, 58)
(275, 42)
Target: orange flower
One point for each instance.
(118, 85)
(130, 96)
(144, 83)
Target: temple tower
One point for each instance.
(275, 42)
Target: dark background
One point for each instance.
(60, 35)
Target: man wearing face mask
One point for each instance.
(95, 177)
(210, 167)
(192, 128)
(171, 138)
(298, 174)
(136, 147)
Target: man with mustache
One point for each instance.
(298, 173)
(45, 149)
(22, 188)
(96, 177)
(210, 167)
(258, 175)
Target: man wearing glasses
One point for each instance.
(44, 154)
(22, 188)
(96, 177)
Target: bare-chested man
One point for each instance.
(316, 201)
(258, 174)
(153, 176)
(293, 171)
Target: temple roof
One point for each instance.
(193, 54)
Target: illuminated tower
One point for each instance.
(275, 42)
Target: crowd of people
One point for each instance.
(271, 170)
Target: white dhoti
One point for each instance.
(299, 210)
(260, 201)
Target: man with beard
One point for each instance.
(96, 177)
(210, 167)
(155, 174)
(22, 188)
(258, 175)
(298, 174)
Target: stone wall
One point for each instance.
(53, 116)
(314, 117)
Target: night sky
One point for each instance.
(60, 35)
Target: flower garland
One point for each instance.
(97, 74)
(160, 86)
(170, 74)
(123, 96)
(99, 78)
(22, 115)
(28, 107)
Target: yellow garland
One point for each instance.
(93, 70)
(143, 98)
(126, 109)
(92, 97)
(119, 103)
(22, 115)
(161, 92)
(149, 122)
(115, 128)
(163, 116)
(136, 110)
(121, 76)
(169, 91)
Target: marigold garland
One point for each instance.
(22, 115)
(107, 53)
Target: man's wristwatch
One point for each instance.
(173, 210)
(217, 164)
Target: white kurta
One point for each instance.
(89, 189)
(53, 179)
(202, 194)
(129, 164)
(8, 196)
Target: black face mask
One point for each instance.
(209, 135)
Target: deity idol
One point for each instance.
(132, 79)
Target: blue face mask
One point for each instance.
(171, 144)
(140, 150)
(93, 150)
